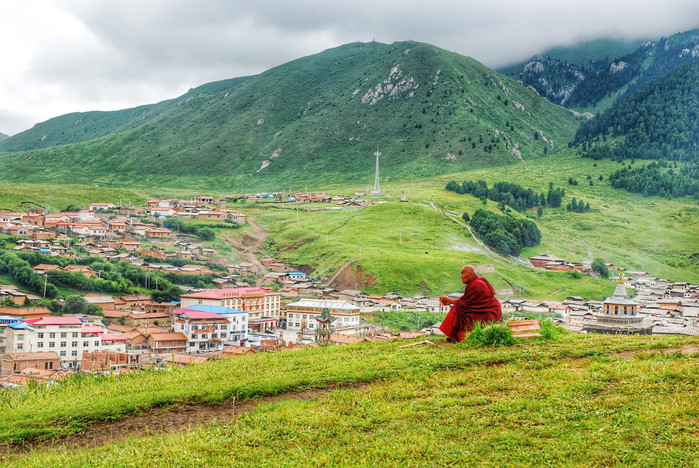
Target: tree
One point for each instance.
(466, 217)
(600, 267)
(207, 234)
(75, 305)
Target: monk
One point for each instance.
(478, 304)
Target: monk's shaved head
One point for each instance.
(467, 273)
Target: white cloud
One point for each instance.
(77, 55)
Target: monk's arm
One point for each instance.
(444, 300)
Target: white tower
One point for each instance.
(377, 189)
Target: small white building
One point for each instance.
(68, 336)
(303, 313)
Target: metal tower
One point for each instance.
(377, 189)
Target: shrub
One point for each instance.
(548, 331)
(494, 334)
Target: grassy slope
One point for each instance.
(19, 196)
(650, 234)
(532, 403)
(422, 259)
(311, 109)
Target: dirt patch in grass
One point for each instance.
(163, 420)
(353, 278)
(686, 349)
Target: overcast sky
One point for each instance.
(66, 56)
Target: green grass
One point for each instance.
(531, 403)
(56, 197)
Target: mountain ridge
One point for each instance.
(430, 111)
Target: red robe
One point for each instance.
(478, 304)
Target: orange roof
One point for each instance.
(172, 336)
(32, 356)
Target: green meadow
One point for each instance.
(411, 248)
(594, 400)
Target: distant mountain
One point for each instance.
(3, 136)
(321, 117)
(578, 79)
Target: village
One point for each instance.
(256, 306)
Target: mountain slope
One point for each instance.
(429, 111)
(586, 84)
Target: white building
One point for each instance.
(261, 304)
(67, 335)
(238, 329)
(303, 313)
(205, 331)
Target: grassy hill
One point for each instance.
(577, 399)
(411, 248)
(320, 117)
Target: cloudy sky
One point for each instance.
(61, 56)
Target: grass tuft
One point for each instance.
(494, 334)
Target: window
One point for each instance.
(52, 344)
(40, 335)
(97, 343)
(52, 335)
(75, 334)
(64, 335)
(86, 344)
(20, 347)
(20, 337)
(63, 354)
(74, 353)
(40, 344)
(63, 344)
(199, 302)
(74, 344)
(224, 327)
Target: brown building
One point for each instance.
(167, 343)
(16, 362)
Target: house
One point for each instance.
(542, 260)
(205, 200)
(16, 362)
(67, 335)
(303, 313)
(262, 304)
(101, 361)
(101, 206)
(146, 318)
(297, 276)
(238, 320)
(25, 312)
(211, 215)
(167, 343)
(105, 302)
(184, 359)
(205, 330)
(232, 351)
(159, 233)
(84, 269)
(42, 268)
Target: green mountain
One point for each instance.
(3, 136)
(589, 77)
(318, 118)
(581, 55)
